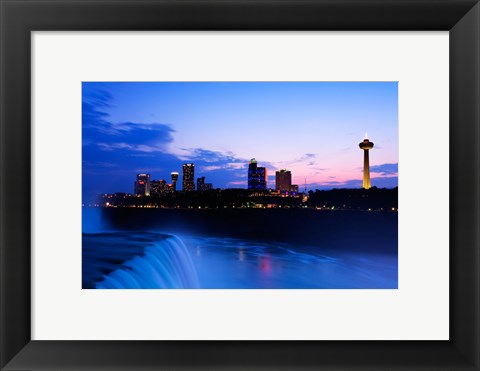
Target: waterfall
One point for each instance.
(165, 264)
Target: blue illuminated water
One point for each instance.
(174, 258)
(163, 263)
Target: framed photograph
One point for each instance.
(248, 185)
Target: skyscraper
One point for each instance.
(142, 185)
(283, 180)
(200, 183)
(366, 146)
(257, 176)
(188, 177)
(160, 188)
(202, 186)
(174, 180)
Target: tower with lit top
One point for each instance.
(366, 145)
(257, 176)
(174, 176)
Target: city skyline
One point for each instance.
(256, 179)
(310, 128)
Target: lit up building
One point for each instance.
(283, 180)
(202, 186)
(160, 188)
(174, 180)
(188, 177)
(155, 187)
(142, 185)
(294, 188)
(257, 176)
(366, 146)
(200, 183)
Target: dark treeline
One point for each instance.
(355, 199)
(205, 199)
(346, 199)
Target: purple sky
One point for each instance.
(310, 128)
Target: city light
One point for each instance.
(152, 193)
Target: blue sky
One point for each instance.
(310, 128)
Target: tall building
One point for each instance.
(174, 180)
(142, 185)
(366, 146)
(155, 186)
(257, 176)
(200, 183)
(188, 177)
(202, 186)
(283, 180)
(160, 188)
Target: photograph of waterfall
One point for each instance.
(239, 185)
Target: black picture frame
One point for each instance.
(19, 18)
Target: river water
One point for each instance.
(244, 249)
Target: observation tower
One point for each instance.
(366, 145)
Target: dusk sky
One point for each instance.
(311, 128)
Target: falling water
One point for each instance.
(166, 264)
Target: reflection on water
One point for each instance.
(159, 260)
(236, 263)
